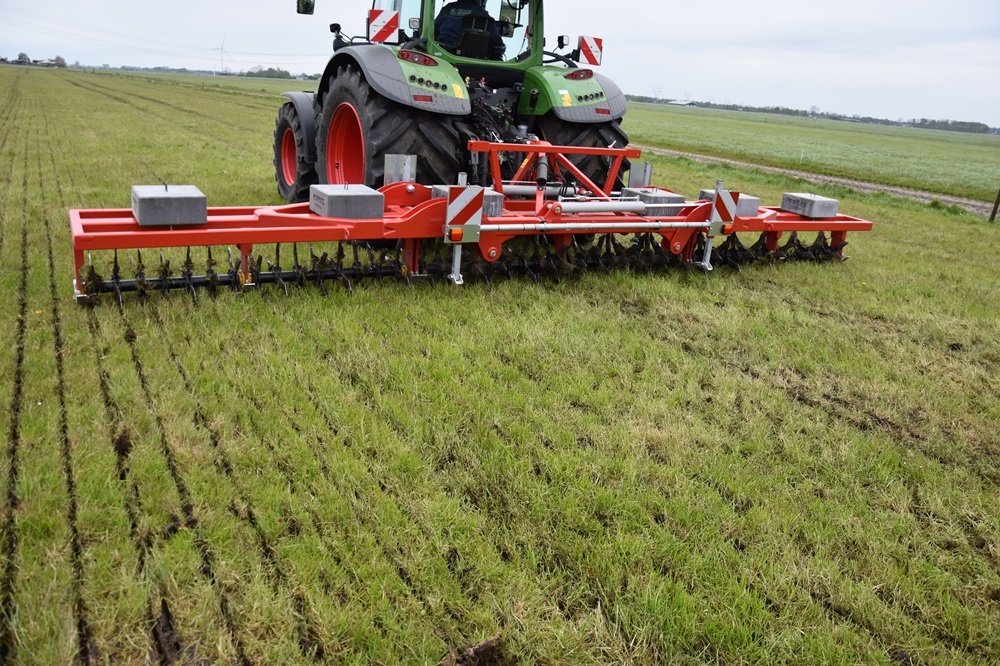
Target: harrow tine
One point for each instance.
(235, 271)
(275, 269)
(213, 277)
(94, 283)
(142, 287)
(399, 270)
(759, 249)
(163, 273)
(319, 266)
(792, 247)
(344, 280)
(186, 273)
(116, 281)
(820, 249)
(255, 270)
(300, 272)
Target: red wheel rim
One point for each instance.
(345, 147)
(289, 158)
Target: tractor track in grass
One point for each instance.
(866, 187)
(85, 647)
(190, 521)
(231, 92)
(866, 419)
(11, 541)
(309, 642)
(855, 412)
(116, 95)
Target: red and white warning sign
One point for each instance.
(725, 205)
(382, 25)
(591, 50)
(465, 205)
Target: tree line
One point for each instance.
(923, 123)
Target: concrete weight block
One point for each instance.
(747, 206)
(349, 202)
(809, 205)
(169, 205)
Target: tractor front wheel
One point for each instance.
(358, 127)
(293, 173)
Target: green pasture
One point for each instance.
(795, 464)
(955, 163)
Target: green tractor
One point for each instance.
(430, 76)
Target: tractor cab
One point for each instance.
(495, 40)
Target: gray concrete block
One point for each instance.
(654, 196)
(747, 206)
(809, 205)
(350, 202)
(492, 201)
(169, 206)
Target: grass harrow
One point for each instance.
(550, 219)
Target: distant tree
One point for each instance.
(23, 56)
(59, 61)
(269, 73)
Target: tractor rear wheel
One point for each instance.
(293, 173)
(562, 133)
(358, 127)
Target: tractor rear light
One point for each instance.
(418, 58)
(423, 98)
(604, 112)
(455, 234)
(580, 75)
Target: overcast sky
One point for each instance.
(885, 58)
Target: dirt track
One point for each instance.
(979, 207)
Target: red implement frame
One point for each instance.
(412, 215)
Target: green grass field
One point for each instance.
(784, 465)
(955, 163)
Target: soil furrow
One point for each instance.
(160, 651)
(8, 581)
(11, 111)
(308, 634)
(187, 508)
(83, 633)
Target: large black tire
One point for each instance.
(562, 133)
(358, 127)
(293, 173)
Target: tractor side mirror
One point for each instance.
(306, 6)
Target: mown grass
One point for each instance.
(794, 465)
(954, 163)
